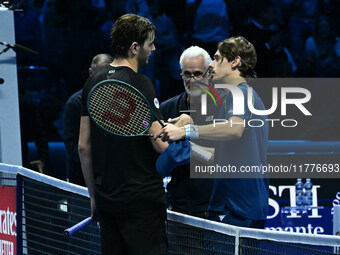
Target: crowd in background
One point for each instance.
(293, 39)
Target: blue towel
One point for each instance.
(177, 154)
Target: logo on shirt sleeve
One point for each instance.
(156, 103)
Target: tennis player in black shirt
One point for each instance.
(126, 192)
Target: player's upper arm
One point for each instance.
(223, 131)
(157, 144)
(237, 128)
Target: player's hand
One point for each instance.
(171, 133)
(39, 164)
(181, 121)
(94, 213)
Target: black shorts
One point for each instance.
(136, 233)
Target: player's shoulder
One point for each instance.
(74, 98)
(76, 95)
(143, 79)
(242, 87)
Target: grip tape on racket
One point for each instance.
(79, 226)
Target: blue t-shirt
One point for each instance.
(245, 197)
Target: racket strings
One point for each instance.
(119, 109)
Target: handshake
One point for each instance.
(174, 130)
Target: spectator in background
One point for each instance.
(72, 123)
(210, 25)
(116, 8)
(277, 57)
(258, 30)
(307, 65)
(54, 34)
(139, 7)
(50, 108)
(302, 22)
(71, 34)
(326, 48)
(32, 129)
(239, 12)
(166, 72)
(28, 32)
(36, 5)
(176, 10)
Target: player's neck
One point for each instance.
(129, 62)
(235, 80)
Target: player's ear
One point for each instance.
(91, 72)
(134, 48)
(236, 62)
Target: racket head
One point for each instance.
(119, 108)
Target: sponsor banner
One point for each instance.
(8, 221)
(284, 215)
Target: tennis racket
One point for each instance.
(120, 109)
(79, 226)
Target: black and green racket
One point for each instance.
(120, 109)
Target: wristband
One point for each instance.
(191, 132)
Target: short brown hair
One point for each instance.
(240, 46)
(127, 29)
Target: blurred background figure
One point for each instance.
(28, 32)
(167, 78)
(326, 48)
(262, 29)
(210, 24)
(303, 15)
(32, 130)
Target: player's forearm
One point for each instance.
(85, 153)
(227, 130)
(86, 165)
(220, 132)
(181, 121)
(210, 132)
(158, 145)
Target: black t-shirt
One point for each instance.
(124, 167)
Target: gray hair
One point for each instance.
(195, 51)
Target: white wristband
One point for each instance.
(191, 131)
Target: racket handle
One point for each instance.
(79, 226)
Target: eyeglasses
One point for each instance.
(187, 75)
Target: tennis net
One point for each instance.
(48, 206)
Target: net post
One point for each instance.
(237, 241)
(19, 214)
(336, 225)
